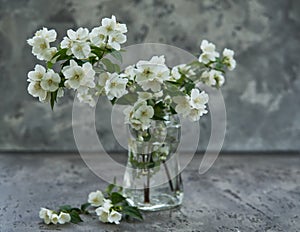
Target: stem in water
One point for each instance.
(169, 177)
(147, 189)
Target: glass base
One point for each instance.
(158, 202)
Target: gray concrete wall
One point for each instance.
(262, 95)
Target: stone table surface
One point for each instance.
(239, 193)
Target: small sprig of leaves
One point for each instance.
(75, 212)
(98, 59)
(120, 203)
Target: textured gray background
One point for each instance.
(262, 95)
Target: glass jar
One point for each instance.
(152, 179)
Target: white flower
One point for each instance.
(228, 59)
(109, 25)
(219, 78)
(195, 114)
(114, 217)
(209, 53)
(138, 125)
(198, 100)
(49, 35)
(82, 34)
(50, 81)
(49, 53)
(128, 112)
(129, 73)
(103, 78)
(89, 72)
(77, 76)
(77, 43)
(145, 72)
(194, 106)
(45, 214)
(162, 151)
(103, 212)
(183, 105)
(86, 97)
(182, 69)
(37, 74)
(81, 50)
(144, 96)
(107, 204)
(115, 39)
(41, 44)
(74, 75)
(162, 71)
(54, 218)
(158, 95)
(120, 27)
(97, 37)
(35, 89)
(115, 86)
(67, 43)
(213, 78)
(96, 198)
(154, 85)
(144, 113)
(151, 74)
(158, 60)
(111, 32)
(60, 92)
(64, 218)
(208, 78)
(176, 73)
(139, 116)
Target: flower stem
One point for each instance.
(169, 177)
(147, 189)
(178, 182)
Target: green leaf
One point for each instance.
(49, 65)
(66, 208)
(93, 59)
(97, 51)
(53, 96)
(117, 55)
(62, 51)
(76, 210)
(83, 207)
(189, 86)
(79, 62)
(109, 188)
(110, 67)
(219, 69)
(172, 89)
(117, 68)
(62, 55)
(127, 99)
(75, 218)
(172, 110)
(116, 198)
(159, 112)
(132, 212)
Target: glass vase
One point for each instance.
(152, 179)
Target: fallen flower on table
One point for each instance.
(49, 216)
(110, 206)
